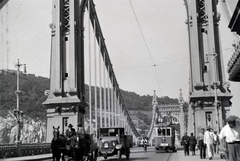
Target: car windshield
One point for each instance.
(111, 132)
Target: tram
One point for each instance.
(165, 137)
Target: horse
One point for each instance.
(81, 146)
(58, 145)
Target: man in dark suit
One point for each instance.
(70, 131)
(185, 142)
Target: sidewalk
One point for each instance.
(26, 158)
(179, 156)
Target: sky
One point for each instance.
(147, 41)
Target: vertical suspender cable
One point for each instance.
(112, 102)
(122, 119)
(118, 112)
(104, 90)
(2, 40)
(115, 107)
(95, 77)
(100, 83)
(90, 98)
(109, 96)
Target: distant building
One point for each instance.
(9, 71)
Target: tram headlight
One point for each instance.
(163, 139)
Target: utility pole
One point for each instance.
(215, 86)
(215, 92)
(17, 113)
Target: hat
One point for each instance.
(208, 127)
(70, 125)
(231, 118)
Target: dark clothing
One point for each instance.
(186, 149)
(202, 149)
(233, 151)
(70, 133)
(192, 148)
(185, 142)
(193, 142)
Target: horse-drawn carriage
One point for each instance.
(79, 147)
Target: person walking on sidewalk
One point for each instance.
(231, 133)
(185, 143)
(208, 140)
(193, 142)
(201, 145)
(216, 143)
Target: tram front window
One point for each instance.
(159, 132)
(163, 132)
(168, 132)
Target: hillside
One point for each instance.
(32, 95)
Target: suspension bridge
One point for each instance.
(76, 34)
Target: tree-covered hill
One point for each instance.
(32, 95)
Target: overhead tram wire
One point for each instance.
(2, 39)
(154, 65)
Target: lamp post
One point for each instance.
(17, 113)
(215, 86)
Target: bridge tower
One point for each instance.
(182, 120)
(65, 101)
(151, 132)
(209, 92)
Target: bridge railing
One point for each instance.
(13, 150)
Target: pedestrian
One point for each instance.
(216, 143)
(193, 142)
(208, 140)
(185, 143)
(231, 134)
(201, 145)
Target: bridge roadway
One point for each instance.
(137, 154)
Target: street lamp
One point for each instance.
(215, 86)
(17, 113)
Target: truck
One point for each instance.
(113, 141)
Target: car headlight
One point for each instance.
(113, 143)
(106, 145)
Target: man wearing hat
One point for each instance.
(208, 140)
(231, 134)
(70, 131)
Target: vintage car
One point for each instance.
(113, 141)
